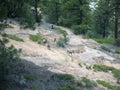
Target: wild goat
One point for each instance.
(69, 51)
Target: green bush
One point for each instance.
(79, 29)
(66, 87)
(80, 84)
(63, 77)
(61, 42)
(117, 51)
(13, 37)
(88, 82)
(108, 85)
(29, 76)
(116, 73)
(8, 56)
(90, 34)
(63, 32)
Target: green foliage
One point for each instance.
(13, 37)
(117, 51)
(63, 77)
(88, 82)
(61, 42)
(80, 84)
(104, 83)
(108, 85)
(63, 32)
(37, 38)
(29, 76)
(104, 68)
(18, 10)
(117, 42)
(104, 40)
(80, 29)
(90, 34)
(34, 38)
(8, 56)
(66, 87)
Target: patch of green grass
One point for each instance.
(117, 51)
(66, 87)
(108, 85)
(63, 77)
(29, 76)
(37, 38)
(13, 37)
(34, 38)
(88, 83)
(104, 40)
(104, 68)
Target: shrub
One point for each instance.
(61, 42)
(13, 37)
(80, 84)
(80, 29)
(8, 56)
(66, 87)
(117, 42)
(90, 34)
(29, 76)
(88, 82)
(63, 77)
(117, 51)
(63, 32)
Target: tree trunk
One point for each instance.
(116, 22)
(104, 32)
(36, 12)
(56, 11)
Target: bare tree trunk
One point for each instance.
(116, 27)
(36, 12)
(116, 22)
